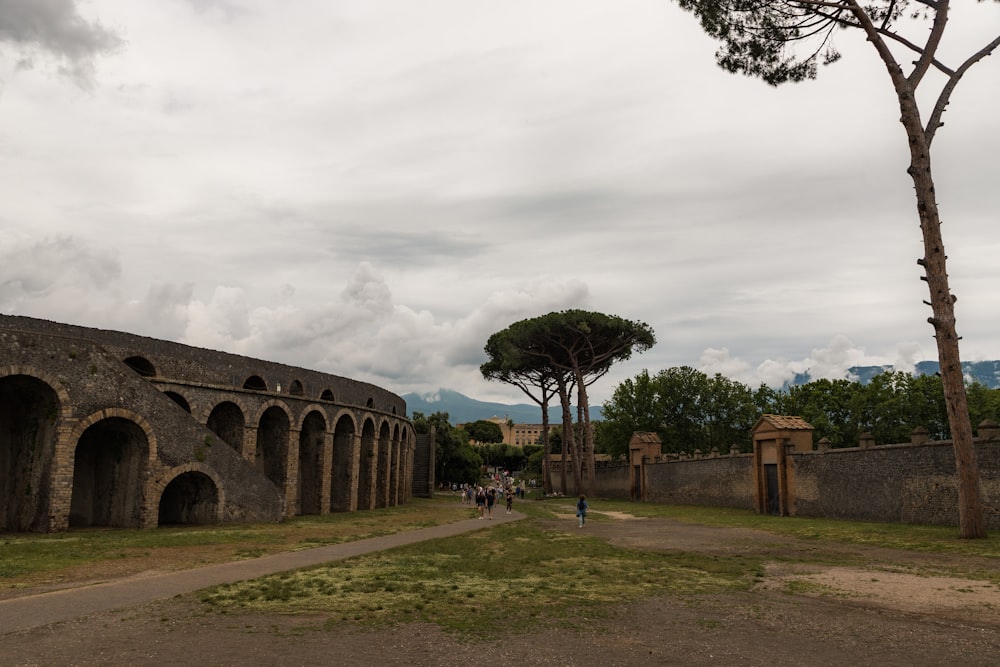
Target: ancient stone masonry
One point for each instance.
(104, 428)
(787, 474)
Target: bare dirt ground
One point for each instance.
(892, 610)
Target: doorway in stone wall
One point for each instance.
(771, 482)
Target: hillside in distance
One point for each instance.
(986, 373)
(461, 409)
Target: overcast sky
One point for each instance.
(372, 188)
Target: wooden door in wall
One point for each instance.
(773, 493)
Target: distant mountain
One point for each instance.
(986, 373)
(461, 409)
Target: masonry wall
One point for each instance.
(724, 481)
(87, 438)
(901, 483)
(909, 483)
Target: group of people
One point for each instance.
(486, 498)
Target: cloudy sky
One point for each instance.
(372, 188)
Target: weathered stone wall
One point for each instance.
(612, 482)
(724, 481)
(910, 483)
(86, 436)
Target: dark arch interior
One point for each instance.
(179, 400)
(108, 472)
(327, 395)
(190, 498)
(255, 383)
(295, 389)
(142, 366)
(28, 411)
(226, 421)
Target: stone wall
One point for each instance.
(111, 429)
(723, 481)
(910, 483)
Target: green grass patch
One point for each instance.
(27, 558)
(514, 576)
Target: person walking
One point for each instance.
(491, 499)
(510, 501)
(581, 509)
(481, 501)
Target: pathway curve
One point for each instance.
(66, 604)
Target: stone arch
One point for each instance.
(394, 467)
(255, 383)
(342, 497)
(227, 420)
(110, 463)
(179, 400)
(370, 403)
(141, 365)
(312, 435)
(273, 431)
(189, 494)
(327, 395)
(368, 467)
(384, 459)
(295, 388)
(29, 413)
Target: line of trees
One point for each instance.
(690, 410)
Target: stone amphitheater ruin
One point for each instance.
(104, 428)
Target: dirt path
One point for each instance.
(889, 610)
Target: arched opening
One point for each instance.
(327, 395)
(255, 383)
(190, 498)
(368, 467)
(108, 471)
(382, 475)
(295, 389)
(227, 422)
(343, 456)
(28, 410)
(394, 493)
(179, 400)
(142, 366)
(311, 463)
(272, 445)
(370, 403)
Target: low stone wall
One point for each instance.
(910, 483)
(725, 481)
(612, 482)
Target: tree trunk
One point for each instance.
(567, 435)
(546, 450)
(942, 303)
(587, 447)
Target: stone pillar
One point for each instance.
(988, 430)
(920, 436)
(866, 440)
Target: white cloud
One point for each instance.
(372, 189)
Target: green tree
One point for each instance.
(685, 407)
(575, 348)
(484, 432)
(758, 38)
(456, 460)
(507, 362)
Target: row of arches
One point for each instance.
(105, 472)
(145, 368)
